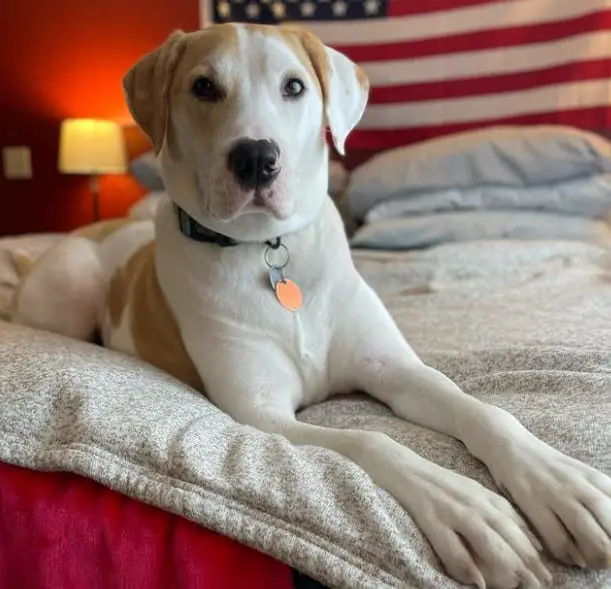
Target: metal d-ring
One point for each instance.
(275, 247)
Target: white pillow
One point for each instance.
(500, 156)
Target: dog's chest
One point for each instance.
(236, 294)
(226, 296)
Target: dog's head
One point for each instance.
(237, 114)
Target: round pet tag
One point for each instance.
(288, 294)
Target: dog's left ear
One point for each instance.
(344, 85)
(347, 94)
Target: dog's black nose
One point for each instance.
(254, 162)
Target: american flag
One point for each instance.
(442, 66)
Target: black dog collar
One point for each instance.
(190, 228)
(286, 290)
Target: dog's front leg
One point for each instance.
(568, 502)
(479, 537)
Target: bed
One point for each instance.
(117, 475)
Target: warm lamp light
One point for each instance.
(92, 147)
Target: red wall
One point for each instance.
(66, 58)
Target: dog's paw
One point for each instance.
(567, 501)
(476, 533)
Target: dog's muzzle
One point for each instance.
(254, 162)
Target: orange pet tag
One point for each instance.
(287, 291)
(288, 294)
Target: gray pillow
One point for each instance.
(145, 169)
(494, 156)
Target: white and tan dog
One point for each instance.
(238, 114)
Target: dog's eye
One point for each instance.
(205, 89)
(293, 88)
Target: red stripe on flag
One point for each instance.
(480, 40)
(497, 84)
(365, 139)
(409, 7)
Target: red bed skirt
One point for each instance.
(62, 531)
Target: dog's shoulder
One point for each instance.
(140, 320)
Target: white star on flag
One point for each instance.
(224, 9)
(372, 6)
(339, 8)
(279, 10)
(252, 11)
(308, 9)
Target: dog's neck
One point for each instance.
(192, 229)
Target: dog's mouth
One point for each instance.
(259, 201)
(266, 201)
(262, 198)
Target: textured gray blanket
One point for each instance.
(526, 326)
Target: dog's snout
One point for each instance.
(254, 162)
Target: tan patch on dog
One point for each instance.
(147, 87)
(201, 53)
(154, 329)
(152, 84)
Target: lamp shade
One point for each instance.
(91, 146)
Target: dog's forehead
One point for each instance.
(236, 43)
(210, 44)
(272, 41)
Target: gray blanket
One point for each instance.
(526, 326)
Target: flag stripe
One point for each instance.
(488, 39)
(576, 71)
(560, 97)
(411, 8)
(598, 118)
(441, 68)
(452, 22)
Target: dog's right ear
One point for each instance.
(147, 87)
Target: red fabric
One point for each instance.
(62, 531)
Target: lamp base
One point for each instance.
(94, 187)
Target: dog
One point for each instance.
(244, 287)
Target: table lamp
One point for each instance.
(92, 147)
